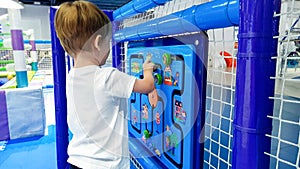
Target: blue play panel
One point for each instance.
(163, 124)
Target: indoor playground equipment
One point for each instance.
(16, 123)
(243, 115)
(22, 111)
(161, 123)
(13, 41)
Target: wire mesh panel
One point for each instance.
(44, 59)
(285, 137)
(6, 57)
(220, 98)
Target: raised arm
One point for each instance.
(145, 85)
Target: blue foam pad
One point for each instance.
(25, 112)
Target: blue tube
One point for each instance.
(35, 41)
(170, 21)
(34, 66)
(119, 35)
(132, 33)
(160, 2)
(276, 20)
(59, 75)
(214, 14)
(69, 63)
(116, 48)
(135, 7)
(22, 79)
(188, 20)
(254, 86)
(127, 10)
(117, 57)
(117, 14)
(147, 29)
(141, 6)
(109, 14)
(210, 15)
(39, 41)
(232, 10)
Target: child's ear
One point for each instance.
(97, 42)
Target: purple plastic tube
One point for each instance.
(254, 86)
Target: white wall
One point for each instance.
(36, 18)
(32, 17)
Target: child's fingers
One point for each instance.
(148, 60)
(148, 66)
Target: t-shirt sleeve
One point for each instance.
(120, 84)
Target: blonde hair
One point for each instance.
(77, 23)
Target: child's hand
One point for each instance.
(148, 65)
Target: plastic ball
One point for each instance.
(10, 76)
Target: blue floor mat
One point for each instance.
(38, 153)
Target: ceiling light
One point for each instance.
(11, 4)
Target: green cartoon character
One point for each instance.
(167, 60)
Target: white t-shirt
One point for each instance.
(96, 99)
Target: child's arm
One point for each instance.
(145, 85)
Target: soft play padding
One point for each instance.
(22, 113)
(4, 132)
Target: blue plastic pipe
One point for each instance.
(117, 51)
(135, 7)
(210, 15)
(254, 86)
(276, 20)
(35, 41)
(59, 75)
(109, 14)
(116, 48)
(39, 41)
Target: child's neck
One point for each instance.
(86, 59)
(83, 64)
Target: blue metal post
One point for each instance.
(276, 20)
(254, 86)
(109, 14)
(116, 48)
(70, 64)
(59, 74)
